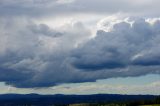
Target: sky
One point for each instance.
(80, 46)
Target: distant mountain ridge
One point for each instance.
(46, 100)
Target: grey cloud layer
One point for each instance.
(35, 55)
(36, 8)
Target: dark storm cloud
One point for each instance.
(125, 45)
(148, 60)
(8, 75)
(94, 60)
(34, 54)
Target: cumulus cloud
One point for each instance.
(37, 55)
(126, 44)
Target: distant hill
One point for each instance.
(47, 100)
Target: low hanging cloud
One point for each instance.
(90, 88)
(36, 55)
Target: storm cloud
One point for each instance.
(36, 55)
(133, 43)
